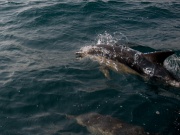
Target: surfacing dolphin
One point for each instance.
(99, 124)
(120, 58)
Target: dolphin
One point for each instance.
(98, 124)
(122, 58)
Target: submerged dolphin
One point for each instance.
(148, 65)
(99, 124)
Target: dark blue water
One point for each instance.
(40, 77)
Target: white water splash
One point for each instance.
(111, 39)
(173, 64)
(149, 71)
(86, 48)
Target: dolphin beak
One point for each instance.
(79, 54)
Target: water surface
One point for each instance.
(41, 78)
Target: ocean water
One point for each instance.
(40, 77)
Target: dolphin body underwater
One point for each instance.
(122, 58)
(98, 124)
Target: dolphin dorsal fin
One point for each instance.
(158, 57)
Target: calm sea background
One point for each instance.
(40, 78)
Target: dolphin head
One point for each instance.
(88, 50)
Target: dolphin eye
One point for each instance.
(106, 55)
